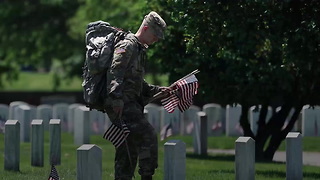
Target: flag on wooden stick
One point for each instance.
(53, 174)
(166, 131)
(182, 96)
(117, 134)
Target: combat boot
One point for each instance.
(146, 177)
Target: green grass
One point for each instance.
(224, 142)
(32, 81)
(211, 167)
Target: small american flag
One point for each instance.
(166, 131)
(53, 174)
(182, 96)
(117, 135)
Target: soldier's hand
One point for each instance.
(118, 110)
(117, 106)
(165, 91)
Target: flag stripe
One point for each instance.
(53, 174)
(117, 135)
(182, 97)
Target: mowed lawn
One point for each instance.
(33, 81)
(211, 167)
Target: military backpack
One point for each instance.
(100, 40)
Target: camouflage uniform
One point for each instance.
(127, 88)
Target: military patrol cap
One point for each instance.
(157, 24)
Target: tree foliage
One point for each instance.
(50, 33)
(34, 33)
(250, 53)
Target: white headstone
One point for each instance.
(89, 162)
(311, 121)
(200, 135)
(154, 115)
(107, 122)
(82, 125)
(12, 145)
(23, 115)
(294, 156)
(216, 118)
(97, 122)
(12, 106)
(174, 160)
(44, 112)
(173, 118)
(4, 115)
(245, 158)
(37, 143)
(71, 109)
(33, 112)
(60, 111)
(188, 118)
(55, 141)
(233, 127)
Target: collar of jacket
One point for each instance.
(131, 36)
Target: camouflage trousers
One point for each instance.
(141, 145)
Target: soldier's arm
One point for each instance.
(121, 57)
(149, 90)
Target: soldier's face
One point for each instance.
(150, 37)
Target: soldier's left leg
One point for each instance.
(126, 159)
(148, 151)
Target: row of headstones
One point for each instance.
(226, 120)
(13, 139)
(89, 156)
(89, 161)
(220, 120)
(245, 151)
(245, 157)
(12, 143)
(14, 134)
(174, 152)
(65, 112)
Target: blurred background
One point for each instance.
(248, 52)
(254, 53)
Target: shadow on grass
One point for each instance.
(211, 157)
(269, 162)
(224, 171)
(271, 173)
(282, 174)
(311, 175)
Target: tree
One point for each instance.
(34, 33)
(50, 33)
(250, 53)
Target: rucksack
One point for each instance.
(100, 40)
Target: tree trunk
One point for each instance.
(262, 135)
(270, 129)
(244, 122)
(279, 135)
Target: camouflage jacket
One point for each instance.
(125, 78)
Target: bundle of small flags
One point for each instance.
(117, 133)
(53, 174)
(182, 96)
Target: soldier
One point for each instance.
(128, 93)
